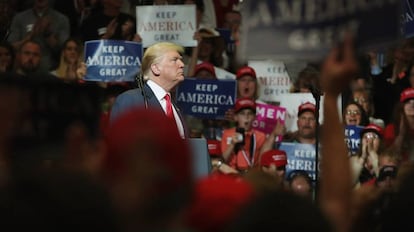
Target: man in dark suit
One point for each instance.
(162, 69)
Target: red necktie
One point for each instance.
(169, 112)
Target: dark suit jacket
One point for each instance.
(134, 98)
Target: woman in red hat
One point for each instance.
(365, 165)
(400, 133)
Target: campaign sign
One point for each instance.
(168, 23)
(300, 157)
(353, 138)
(273, 79)
(267, 116)
(208, 99)
(408, 18)
(301, 29)
(112, 60)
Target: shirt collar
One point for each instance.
(158, 90)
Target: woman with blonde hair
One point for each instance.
(70, 59)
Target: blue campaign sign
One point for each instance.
(408, 18)
(112, 60)
(208, 99)
(300, 157)
(303, 29)
(352, 138)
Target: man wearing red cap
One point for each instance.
(306, 123)
(242, 145)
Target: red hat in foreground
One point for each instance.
(307, 106)
(276, 157)
(143, 138)
(217, 200)
(245, 71)
(407, 94)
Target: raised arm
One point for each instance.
(337, 71)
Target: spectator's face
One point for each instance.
(352, 115)
(5, 58)
(362, 99)
(246, 86)
(206, 48)
(71, 53)
(306, 125)
(30, 57)
(245, 118)
(359, 84)
(127, 29)
(171, 67)
(372, 139)
(232, 21)
(409, 107)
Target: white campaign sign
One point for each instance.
(273, 79)
(172, 23)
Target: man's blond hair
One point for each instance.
(154, 53)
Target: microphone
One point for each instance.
(140, 82)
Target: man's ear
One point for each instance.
(155, 69)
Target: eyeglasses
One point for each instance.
(353, 112)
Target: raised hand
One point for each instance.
(339, 68)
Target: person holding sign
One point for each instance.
(162, 70)
(241, 145)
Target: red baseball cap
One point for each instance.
(214, 147)
(307, 106)
(205, 66)
(146, 134)
(274, 156)
(407, 94)
(245, 103)
(373, 128)
(217, 200)
(246, 70)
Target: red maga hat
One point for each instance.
(276, 157)
(307, 106)
(246, 70)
